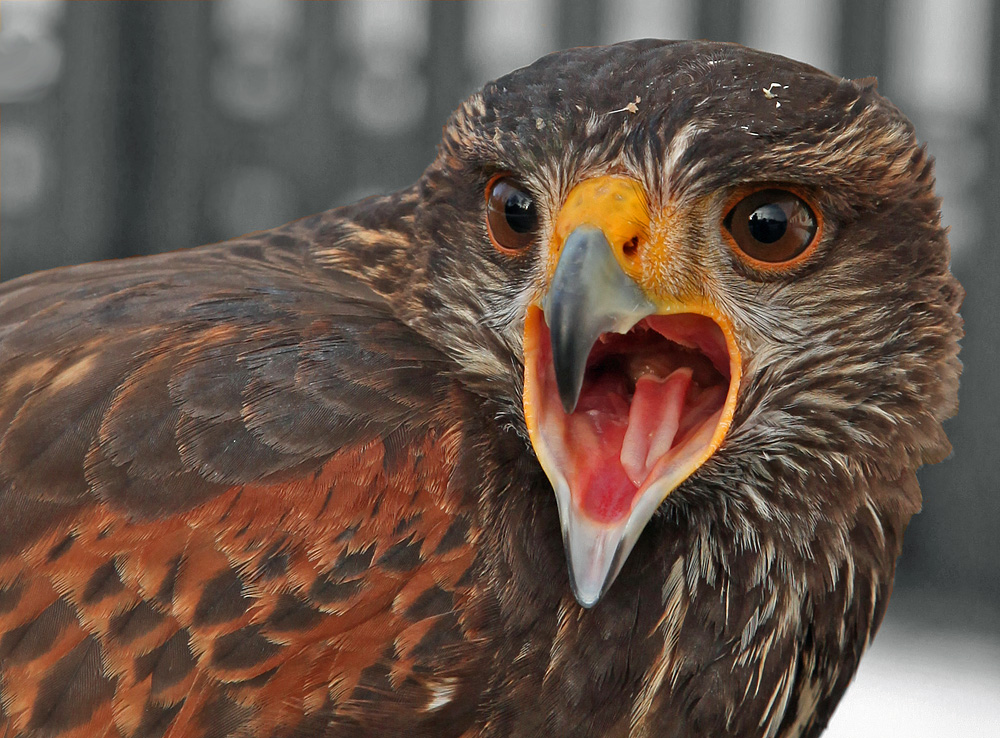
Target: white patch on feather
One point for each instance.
(676, 149)
(441, 694)
(73, 374)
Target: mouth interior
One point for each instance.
(651, 401)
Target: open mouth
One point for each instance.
(655, 403)
(629, 387)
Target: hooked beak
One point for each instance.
(626, 392)
(589, 295)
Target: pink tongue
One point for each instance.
(652, 421)
(613, 455)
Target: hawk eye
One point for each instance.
(510, 215)
(772, 226)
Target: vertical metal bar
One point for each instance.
(864, 30)
(320, 138)
(447, 68)
(162, 72)
(346, 146)
(90, 187)
(176, 217)
(720, 20)
(579, 22)
(134, 153)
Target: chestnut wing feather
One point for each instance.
(227, 506)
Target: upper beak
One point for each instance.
(617, 428)
(589, 295)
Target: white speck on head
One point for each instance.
(767, 90)
(539, 123)
(632, 107)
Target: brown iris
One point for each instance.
(511, 215)
(773, 226)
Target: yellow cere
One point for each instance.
(616, 205)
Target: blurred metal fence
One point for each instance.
(133, 127)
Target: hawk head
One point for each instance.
(700, 281)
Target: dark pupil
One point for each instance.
(768, 223)
(520, 212)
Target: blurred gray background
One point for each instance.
(136, 127)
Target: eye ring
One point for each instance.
(772, 228)
(511, 215)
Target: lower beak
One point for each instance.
(646, 392)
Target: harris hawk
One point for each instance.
(607, 426)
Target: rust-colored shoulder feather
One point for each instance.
(227, 484)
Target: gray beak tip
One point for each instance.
(569, 399)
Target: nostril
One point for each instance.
(631, 247)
